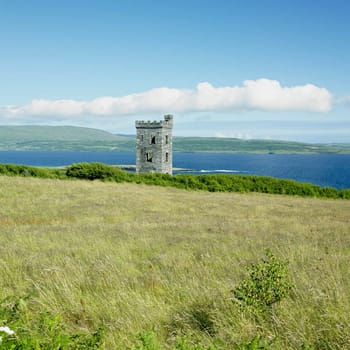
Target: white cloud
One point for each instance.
(261, 94)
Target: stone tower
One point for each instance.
(154, 146)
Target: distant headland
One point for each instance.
(72, 138)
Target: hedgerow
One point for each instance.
(208, 182)
(23, 170)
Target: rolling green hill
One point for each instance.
(47, 133)
(54, 138)
(232, 145)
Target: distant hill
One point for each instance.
(47, 133)
(232, 145)
(62, 138)
(55, 138)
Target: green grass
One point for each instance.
(162, 261)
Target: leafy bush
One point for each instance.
(345, 194)
(268, 283)
(93, 171)
(147, 340)
(23, 170)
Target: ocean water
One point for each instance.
(319, 169)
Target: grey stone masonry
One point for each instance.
(154, 146)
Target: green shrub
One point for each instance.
(24, 170)
(345, 194)
(94, 171)
(147, 340)
(268, 283)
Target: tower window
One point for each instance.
(153, 140)
(166, 139)
(167, 157)
(141, 138)
(149, 157)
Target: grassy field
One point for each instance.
(137, 258)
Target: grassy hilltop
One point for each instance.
(164, 262)
(54, 138)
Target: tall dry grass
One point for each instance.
(136, 257)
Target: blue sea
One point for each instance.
(320, 169)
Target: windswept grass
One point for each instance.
(136, 258)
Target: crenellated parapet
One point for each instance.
(167, 122)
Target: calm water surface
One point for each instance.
(320, 169)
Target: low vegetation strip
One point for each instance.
(211, 183)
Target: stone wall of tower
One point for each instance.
(154, 146)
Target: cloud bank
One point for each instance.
(261, 95)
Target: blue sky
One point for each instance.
(231, 68)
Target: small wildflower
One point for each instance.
(7, 330)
